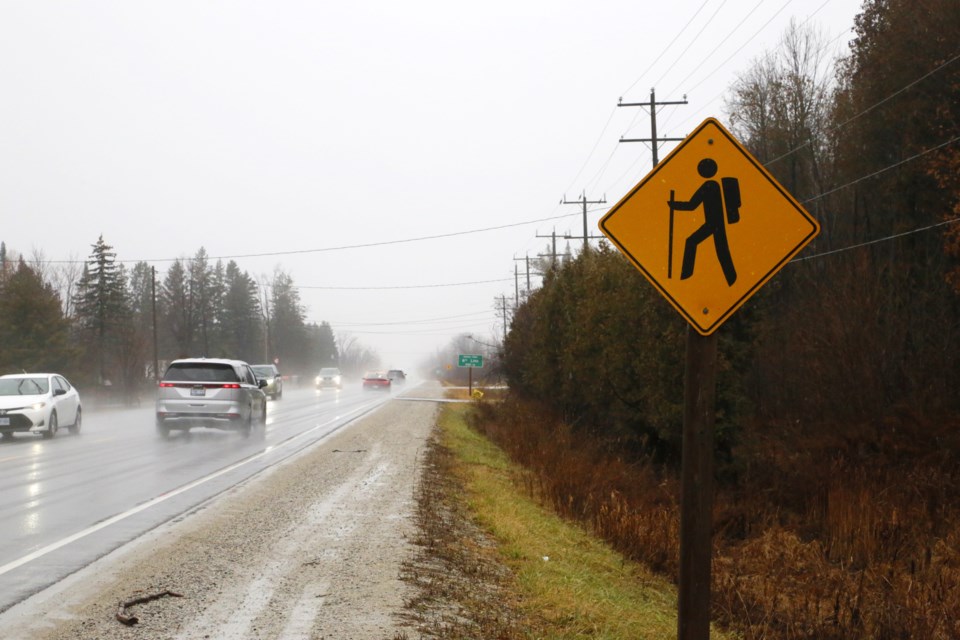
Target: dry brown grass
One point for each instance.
(825, 533)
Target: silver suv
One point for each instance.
(212, 393)
(269, 372)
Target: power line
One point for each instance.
(338, 248)
(877, 240)
(409, 286)
(423, 321)
(722, 42)
(693, 42)
(885, 169)
(667, 48)
(839, 126)
(740, 48)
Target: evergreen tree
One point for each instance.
(242, 323)
(101, 310)
(178, 317)
(325, 346)
(216, 292)
(287, 330)
(203, 295)
(34, 334)
(141, 303)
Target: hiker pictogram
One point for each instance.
(729, 249)
(721, 205)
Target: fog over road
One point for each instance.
(67, 501)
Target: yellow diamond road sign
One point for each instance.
(709, 226)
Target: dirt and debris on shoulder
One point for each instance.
(312, 549)
(460, 586)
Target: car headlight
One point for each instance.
(38, 405)
(336, 379)
(316, 380)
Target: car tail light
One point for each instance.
(167, 384)
(230, 386)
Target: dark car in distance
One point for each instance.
(397, 376)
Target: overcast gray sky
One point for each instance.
(296, 129)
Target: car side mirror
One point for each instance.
(262, 383)
(59, 392)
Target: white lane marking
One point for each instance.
(39, 553)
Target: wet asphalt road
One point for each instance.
(68, 501)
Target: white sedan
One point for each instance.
(38, 403)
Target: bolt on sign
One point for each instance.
(709, 226)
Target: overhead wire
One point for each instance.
(867, 243)
(485, 312)
(694, 41)
(667, 48)
(877, 104)
(338, 248)
(603, 168)
(885, 169)
(394, 287)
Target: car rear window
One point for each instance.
(201, 372)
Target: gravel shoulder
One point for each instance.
(312, 549)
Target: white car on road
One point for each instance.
(38, 403)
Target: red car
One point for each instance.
(376, 381)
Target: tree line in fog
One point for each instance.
(102, 322)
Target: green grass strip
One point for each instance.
(569, 583)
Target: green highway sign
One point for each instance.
(464, 360)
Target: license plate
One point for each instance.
(198, 391)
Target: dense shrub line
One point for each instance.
(821, 537)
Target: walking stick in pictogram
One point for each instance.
(670, 246)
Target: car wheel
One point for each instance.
(247, 427)
(75, 427)
(52, 427)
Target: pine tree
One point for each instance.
(242, 324)
(34, 335)
(102, 310)
(287, 329)
(178, 317)
(203, 296)
(325, 346)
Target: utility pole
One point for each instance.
(503, 306)
(153, 295)
(516, 287)
(583, 200)
(527, 260)
(553, 249)
(652, 106)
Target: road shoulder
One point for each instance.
(311, 549)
